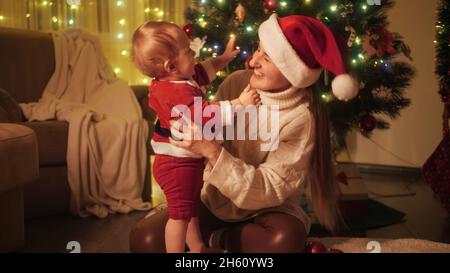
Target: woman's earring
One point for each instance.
(326, 77)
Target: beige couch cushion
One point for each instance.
(18, 156)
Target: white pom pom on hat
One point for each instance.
(301, 47)
(345, 87)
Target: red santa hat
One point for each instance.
(301, 47)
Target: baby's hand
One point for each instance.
(230, 51)
(249, 97)
(220, 62)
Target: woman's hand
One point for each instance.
(209, 149)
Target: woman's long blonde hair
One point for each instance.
(324, 189)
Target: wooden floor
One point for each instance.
(425, 220)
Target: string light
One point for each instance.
(2, 18)
(70, 21)
(202, 22)
(333, 8)
(326, 97)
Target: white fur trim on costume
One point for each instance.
(345, 87)
(164, 148)
(284, 56)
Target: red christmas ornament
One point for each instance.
(368, 123)
(189, 30)
(315, 247)
(271, 5)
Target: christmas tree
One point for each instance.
(443, 50)
(361, 25)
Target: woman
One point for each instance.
(251, 197)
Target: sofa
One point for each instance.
(19, 167)
(27, 63)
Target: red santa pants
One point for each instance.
(181, 179)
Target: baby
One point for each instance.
(161, 50)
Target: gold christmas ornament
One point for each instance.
(240, 13)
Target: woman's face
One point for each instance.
(266, 76)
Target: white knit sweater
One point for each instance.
(246, 181)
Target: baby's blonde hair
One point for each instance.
(152, 45)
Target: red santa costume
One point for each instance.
(178, 171)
